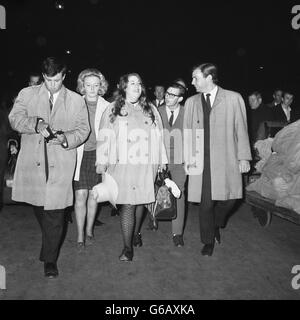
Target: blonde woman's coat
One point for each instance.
(102, 104)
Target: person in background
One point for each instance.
(282, 112)
(159, 93)
(92, 84)
(35, 79)
(172, 114)
(4, 136)
(277, 98)
(53, 122)
(257, 114)
(128, 120)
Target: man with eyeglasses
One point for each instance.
(217, 151)
(172, 116)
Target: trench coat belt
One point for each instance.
(46, 160)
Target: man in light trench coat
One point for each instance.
(44, 170)
(216, 151)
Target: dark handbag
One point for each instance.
(11, 164)
(165, 206)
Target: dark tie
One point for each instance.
(171, 119)
(51, 101)
(208, 100)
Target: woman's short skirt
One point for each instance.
(88, 176)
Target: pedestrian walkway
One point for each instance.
(251, 263)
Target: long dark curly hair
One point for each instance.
(120, 100)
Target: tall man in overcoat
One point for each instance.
(217, 151)
(44, 170)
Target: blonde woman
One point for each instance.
(92, 85)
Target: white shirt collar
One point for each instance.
(213, 94)
(55, 96)
(175, 114)
(160, 102)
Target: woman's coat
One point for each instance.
(102, 104)
(132, 147)
(70, 115)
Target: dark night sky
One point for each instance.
(161, 40)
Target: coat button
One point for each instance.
(198, 121)
(146, 122)
(133, 188)
(38, 164)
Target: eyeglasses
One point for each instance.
(172, 95)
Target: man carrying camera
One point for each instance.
(52, 121)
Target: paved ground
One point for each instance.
(251, 263)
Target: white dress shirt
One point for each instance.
(175, 114)
(55, 95)
(159, 102)
(213, 94)
(287, 112)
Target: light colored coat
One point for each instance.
(229, 143)
(70, 115)
(116, 142)
(101, 106)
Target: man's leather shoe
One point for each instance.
(217, 235)
(207, 249)
(51, 270)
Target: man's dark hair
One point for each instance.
(277, 89)
(287, 92)
(257, 94)
(176, 85)
(34, 74)
(52, 66)
(208, 69)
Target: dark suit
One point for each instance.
(161, 103)
(278, 114)
(295, 114)
(175, 156)
(256, 117)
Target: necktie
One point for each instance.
(208, 100)
(171, 119)
(51, 101)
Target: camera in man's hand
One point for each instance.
(52, 135)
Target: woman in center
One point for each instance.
(130, 148)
